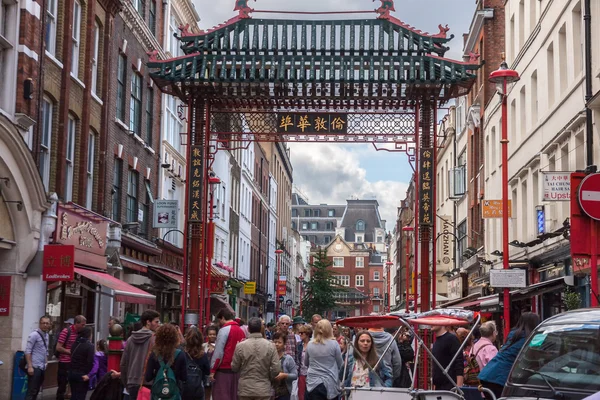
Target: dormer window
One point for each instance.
(360, 225)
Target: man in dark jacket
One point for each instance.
(445, 347)
(82, 362)
(136, 352)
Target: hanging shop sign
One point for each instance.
(312, 122)
(493, 209)
(250, 287)
(446, 251)
(455, 287)
(58, 263)
(508, 278)
(556, 186)
(426, 166)
(165, 214)
(195, 184)
(5, 285)
(282, 286)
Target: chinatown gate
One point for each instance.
(375, 80)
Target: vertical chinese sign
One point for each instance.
(426, 186)
(195, 185)
(282, 286)
(58, 263)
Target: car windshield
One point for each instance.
(568, 356)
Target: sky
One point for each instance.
(332, 173)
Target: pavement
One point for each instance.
(50, 394)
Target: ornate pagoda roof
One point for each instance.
(359, 63)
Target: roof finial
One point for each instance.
(387, 6)
(242, 7)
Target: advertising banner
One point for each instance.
(556, 186)
(165, 214)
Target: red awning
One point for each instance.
(133, 264)
(123, 291)
(169, 274)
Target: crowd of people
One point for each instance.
(289, 360)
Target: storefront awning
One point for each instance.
(217, 304)
(123, 291)
(173, 276)
(133, 264)
(457, 302)
(539, 288)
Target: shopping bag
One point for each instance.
(144, 393)
(294, 395)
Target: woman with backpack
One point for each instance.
(82, 362)
(198, 366)
(494, 375)
(167, 366)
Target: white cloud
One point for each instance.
(331, 173)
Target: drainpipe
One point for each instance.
(589, 131)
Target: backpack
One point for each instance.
(165, 383)
(472, 369)
(194, 385)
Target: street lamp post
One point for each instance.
(389, 299)
(301, 279)
(278, 255)
(502, 77)
(407, 230)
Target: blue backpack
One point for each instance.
(165, 384)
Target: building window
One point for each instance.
(51, 12)
(293, 225)
(116, 189)
(461, 232)
(139, 6)
(304, 226)
(314, 226)
(376, 292)
(331, 213)
(173, 124)
(70, 158)
(173, 41)
(135, 104)
(76, 37)
(329, 226)
(132, 194)
(360, 262)
(95, 58)
(360, 225)
(359, 238)
(90, 170)
(376, 275)
(327, 239)
(294, 213)
(343, 280)
(149, 116)
(121, 82)
(376, 308)
(379, 239)
(360, 280)
(152, 17)
(145, 222)
(307, 213)
(317, 213)
(338, 262)
(46, 142)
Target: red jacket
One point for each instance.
(229, 336)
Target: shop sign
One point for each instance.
(5, 285)
(312, 122)
(282, 286)
(446, 253)
(250, 287)
(58, 263)
(556, 186)
(288, 303)
(195, 184)
(426, 171)
(165, 214)
(508, 278)
(455, 288)
(493, 209)
(79, 231)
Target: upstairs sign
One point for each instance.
(589, 195)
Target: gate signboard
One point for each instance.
(508, 278)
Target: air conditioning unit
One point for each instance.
(457, 181)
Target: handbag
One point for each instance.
(144, 393)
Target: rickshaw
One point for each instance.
(439, 317)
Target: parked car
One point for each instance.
(560, 360)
